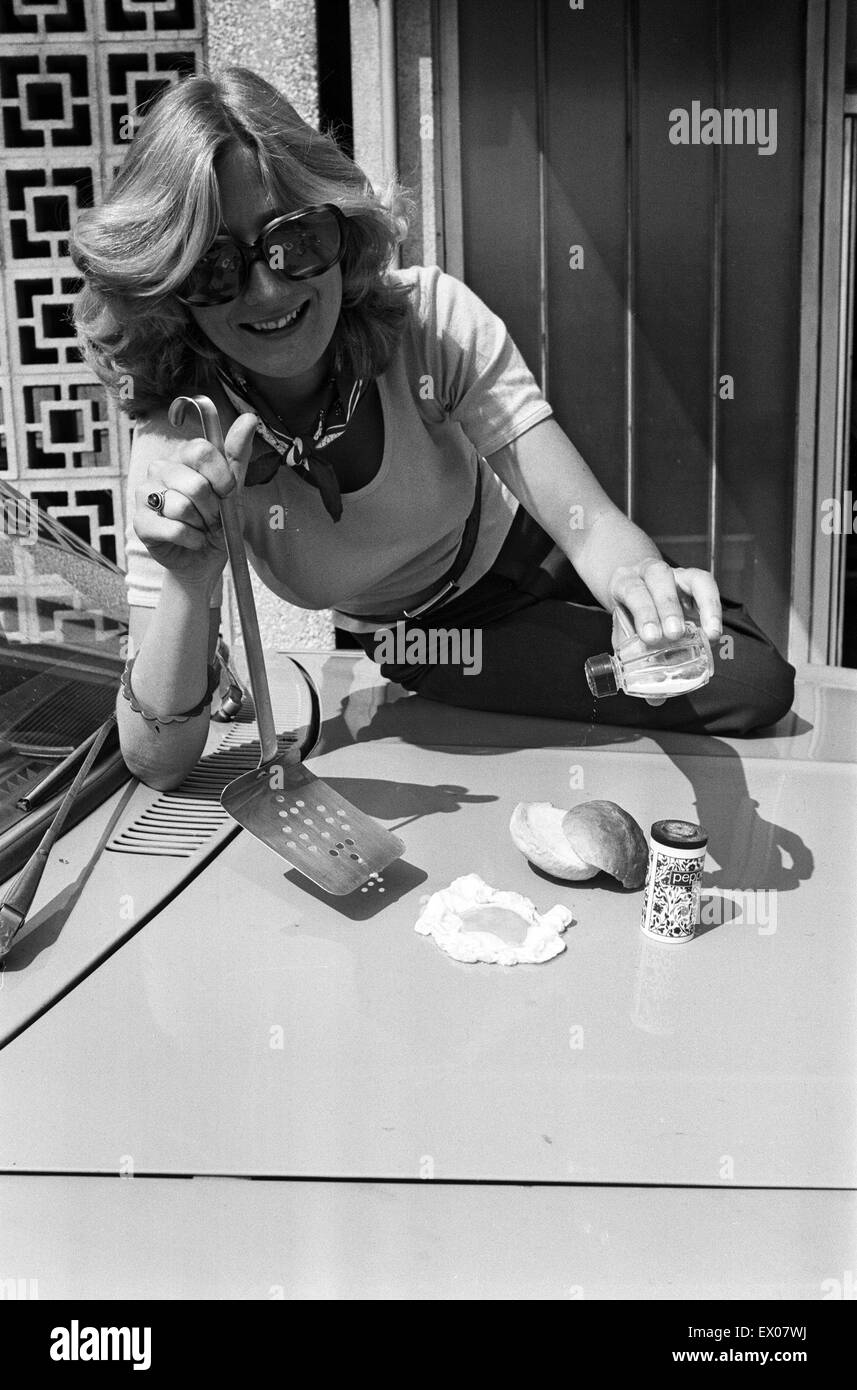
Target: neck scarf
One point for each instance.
(299, 451)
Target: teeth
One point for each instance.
(268, 325)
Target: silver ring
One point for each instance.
(155, 500)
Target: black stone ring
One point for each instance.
(155, 500)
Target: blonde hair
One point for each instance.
(163, 211)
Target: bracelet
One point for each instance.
(213, 683)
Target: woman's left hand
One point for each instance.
(659, 598)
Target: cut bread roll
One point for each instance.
(578, 844)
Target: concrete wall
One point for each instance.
(366, 88)
(276, 38)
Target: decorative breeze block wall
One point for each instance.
(73, 75)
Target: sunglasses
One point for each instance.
(299, 246)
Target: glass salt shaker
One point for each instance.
(673, 667)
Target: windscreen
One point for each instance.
(63, 633)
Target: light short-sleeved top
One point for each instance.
(456, 390)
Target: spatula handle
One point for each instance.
(230, 516)
(231, 519)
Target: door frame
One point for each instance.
(814, 621)
(449, 217)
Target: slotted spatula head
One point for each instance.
(303, 819)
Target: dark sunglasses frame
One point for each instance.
(258, 251)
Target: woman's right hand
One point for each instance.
(187, 536)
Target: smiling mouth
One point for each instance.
(278, 324)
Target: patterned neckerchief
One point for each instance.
(299, 451)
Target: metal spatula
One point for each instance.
(281, 802)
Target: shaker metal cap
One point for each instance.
(601, 675)
(679, 834)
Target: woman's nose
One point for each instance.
(263, 285)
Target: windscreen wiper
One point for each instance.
(43, 789)
(19, 899)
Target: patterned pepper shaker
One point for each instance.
(674, 880)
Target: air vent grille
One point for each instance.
(177, 824)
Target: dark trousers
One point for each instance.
(538, 624)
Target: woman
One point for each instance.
(397, 456)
